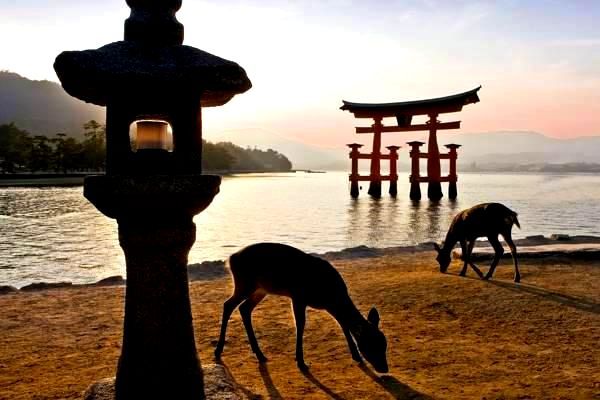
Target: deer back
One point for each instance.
(284, 270)
(482, 220)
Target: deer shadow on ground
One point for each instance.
(393, 386)
(249, 394)
(579, 303)
(269, 385)
(321, 386)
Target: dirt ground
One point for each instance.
(449, 337)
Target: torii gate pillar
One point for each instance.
(415, 173)
(375, 183)
(354, 177)
(434, 171)
(452, 176)
(393, 169)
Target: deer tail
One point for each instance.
(516, 221)
(511, 219)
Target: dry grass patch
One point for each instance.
(449, 337)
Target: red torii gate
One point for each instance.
(403, 112)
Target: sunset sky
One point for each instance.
(538, 61)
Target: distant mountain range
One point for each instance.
(43, 107)
(500, 150)
(524, 148)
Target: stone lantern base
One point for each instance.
(218, 385)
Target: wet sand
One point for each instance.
(449, 337)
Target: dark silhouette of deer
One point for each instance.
(483, 220)
(272, 268)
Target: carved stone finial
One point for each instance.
(154, 22)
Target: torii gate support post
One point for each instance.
(434, 188)
(415, 174)
(354, 155)
(375, 184)
(452, 176)
(393, 169)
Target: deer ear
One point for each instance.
(373, 317)
(436, 247)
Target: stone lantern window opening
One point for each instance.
(151, 134)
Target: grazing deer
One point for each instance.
(272, 268)
(483, 220)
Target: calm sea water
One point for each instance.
(54, 234)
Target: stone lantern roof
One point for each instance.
(150, 61)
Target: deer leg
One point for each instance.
(513, 252)
(228, 308)
(353, 350)
(498, 251)
(469, 252)
(300, 318)
(246, 312)
(463, 247)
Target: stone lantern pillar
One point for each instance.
(154, 192)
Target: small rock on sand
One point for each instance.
(8, 289)
(44, 285)
(111, 281)
(207, 270)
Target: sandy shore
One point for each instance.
(449, 337)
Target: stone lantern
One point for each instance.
(153, 85)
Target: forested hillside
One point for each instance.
(21, 151)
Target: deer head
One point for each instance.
(443, 257)
(372, 343)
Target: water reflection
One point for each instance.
(353, 224)
(372, 222)
(375, 226)
(54, 234)
(415, 218)
(433, 214)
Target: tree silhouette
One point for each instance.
(14, 146)
(40, 155)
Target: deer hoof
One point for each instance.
(486, 278)
(218, 353)
(517, 279)
(463, 274)
(261, 358)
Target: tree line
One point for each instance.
(226, 156)
(22, 152)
